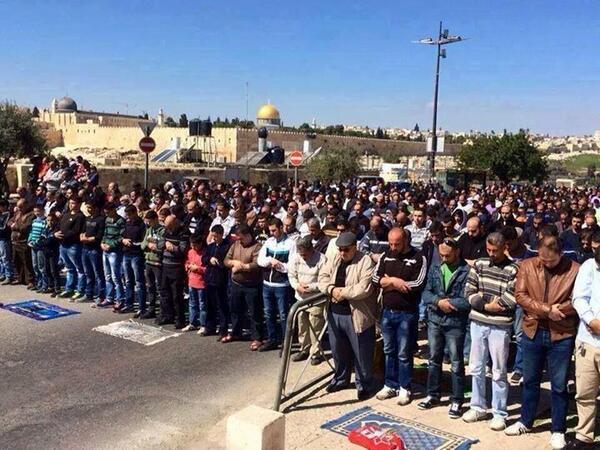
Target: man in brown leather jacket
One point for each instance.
(544, 290)
(20, 226)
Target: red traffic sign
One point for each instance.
(296, 158)
(147, 144)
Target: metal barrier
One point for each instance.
(300, 306)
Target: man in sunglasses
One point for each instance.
(448, 312)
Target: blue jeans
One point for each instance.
(452, 337)
(195, 306)
(6, 265)
(94, 274)
(518, 331)
(556, 355)
(38, 260)
(399, 330)
(276, 300)
(71, 256)
(489, 341)
(135, 280)
(350, 348)
(112, 262)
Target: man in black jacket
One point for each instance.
(72, 224)
(133, 262)
(401, 274)
(92, 254)
(215, 280)
(173, 244)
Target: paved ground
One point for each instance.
(66, 386)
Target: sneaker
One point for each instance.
(65, 294)
(190, 327)
(6, 282)
(498, 424)
(385, 393)
(126, 310)
(454, 410)
(429, 402)
(404, 397)
(516, 429)
(77, 296)
(516, 377)
(148, 315)
(54, 294)
(473, 415)
(557, 441)
(300, 356)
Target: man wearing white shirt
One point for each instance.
(223, 218)
(586, 301)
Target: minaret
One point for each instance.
(53, 105)
(160, 119)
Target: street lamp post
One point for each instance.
(443, 38)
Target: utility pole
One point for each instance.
(444, 38)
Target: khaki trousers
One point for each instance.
(309, 338)
(587, 379)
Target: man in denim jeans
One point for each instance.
(6, 265)
(133, 262)
(112, 257)
(401, 274)
(273, 258)
(490, 290)
(92, 254)
(544, 289)
(72, 224)
(448, 312)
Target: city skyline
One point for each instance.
(525, 66)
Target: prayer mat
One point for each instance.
(414, 434)
(136, 332)
(38, 310)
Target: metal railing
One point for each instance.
(298, 307)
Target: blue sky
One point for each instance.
(531, 64)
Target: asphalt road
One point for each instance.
(65, 386)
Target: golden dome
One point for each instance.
(268, 112)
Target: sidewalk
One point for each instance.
(306, 413)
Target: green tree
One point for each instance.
(508, 156)
(379, 133)
(183, 121)
(20, 137)
(35, 112)
(170, 122)
(304, 127)
(334, 164)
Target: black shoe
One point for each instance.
(332, 387)
(148, 315)
(163, 321)
(126, 310)
(455, 410)
(300, 356)
(316, 360)
(137, 315)
(270, 345)
(516, 377)
(363, 394)
(428, 403)
(54, 294)
(179, 325)
(576, 444)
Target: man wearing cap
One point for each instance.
(352, 313)
(401, 274)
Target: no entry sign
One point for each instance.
(296, 158)
(147, 144)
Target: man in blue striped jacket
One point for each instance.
(490, 290)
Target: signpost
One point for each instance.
(296, 158)
(147, 145)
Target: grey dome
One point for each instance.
(66, 104)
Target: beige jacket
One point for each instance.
(306, 273)
(359, 290)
